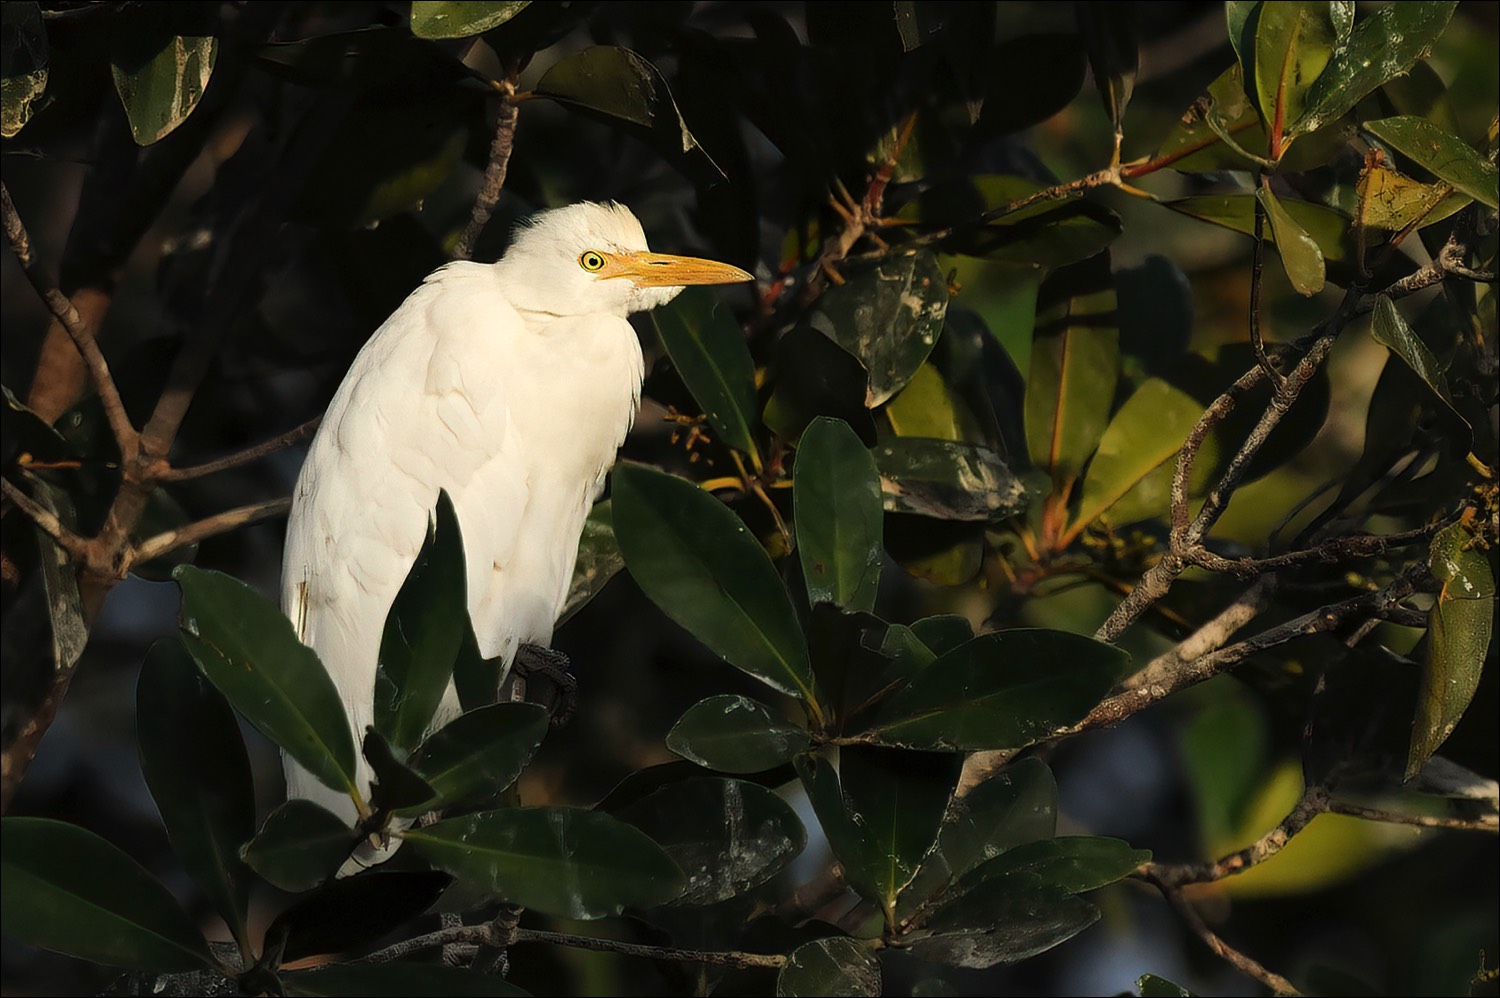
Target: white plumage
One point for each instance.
(511, 385)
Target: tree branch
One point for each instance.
(170, 540)
(47, 521)
(1240, 961)
(1485, 823)
(1313, 803)
(245, 456)
(494, 171)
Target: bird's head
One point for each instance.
(589, 258)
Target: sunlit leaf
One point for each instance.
(734, 734)
(447, 19)
(160, 76)
(1196, 144)
(1074, 366)
(1300, 255)
(1142, 436)
(1450, 158)
(834, 966)
(947, 480)
(709, 352)
(836, 494)
(1327, 226)
(1391, 201)
(23, 65)
(1293, 44)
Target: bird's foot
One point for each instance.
(545, 671)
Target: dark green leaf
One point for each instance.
(1224, 753)
(889, 317)
(699, 563)
(1327, 226)
(1001, 690)
(1075, 362)
(300, 846)
(709, 352)
(346, 914)
(560, 861)
(836, 491)
(249, 651)
(481, 752)
(947, 480)
(1390, 329)
(1151, 986)
(1447, 156)
(23, 65)
(1076, 863)
(1109, 37)
(726, 836)
(160, 76)
(68, 890)
(851, 660)
(943, 633)
(1142, 436)
(834, 966)
(397, 980)
(423, 632)
(1293, 44)
(1458, 639)
(1044, 234)
(1197, 143)
(446, 19)
(1004, 920)
(598, 560)
(1300, 255)
(396, 785)
(735, 734)
(195, 763)
(59, 575)
(1027, 80)
(1382, 46)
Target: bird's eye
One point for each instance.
(591, 261)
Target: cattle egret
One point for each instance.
(511, 385)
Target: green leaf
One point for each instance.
(23, 65)
(1196, 144)
(1151, 986)
(1293, 44)
(947, 480)
(557, 860)
(1225, 754)
(1075, 362)
(160, 76)
(1300, 255)
(1076, 863)
(735, 734)
(1392, 331)
(396, 786)
(346, 914)
(598, 560)
(480, 753)
(249, 651)
(889, 317)
(1381, 47)
(1327, 226)
(1147, 431)
(727, 836)
(1044, 235)
(198, 771)
(834, 966)
(397, 980)
(699, 563)
(1457, 641)
(1390, 201)
(1002, 921)
(1448, 157)
(943, 633)
(836, 492)
(1109, 36)
(447, 19)
(300, 846)
(929, 407)
(67, 890)
(1001, 690)
(709, 352)
(59, 574)
(423, 632)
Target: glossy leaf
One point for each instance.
(1076, 863)
(1381, 47)
(1075, 362)
(300, 846)
(1001, 690)
(1327, 226)
(1390, 201)
(708, 350)
(67, 890)
(396, 786)
(853, 658)
(23, 65)
(598, 560)
(944, 632)
(1109, 37)
(349, 913)
(836, 492)
(1448, 157)
(248, 650)
(1458, 639)
(947, 480)
(195, 764)
(1293, 44)
(447, 19)
(734, 734)
(560, 861)
(1143, 435)
(1300, 255)
(834, 966)
(1197, 143)
(1391, 330)
(160, 77)
(423, 631)
(1151, 986)
(397, 980)
(699, 563)
(481, 752)
(1002, 921)
(888, 317)
(727, 836)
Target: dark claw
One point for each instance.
(545, 671)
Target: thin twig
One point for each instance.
(494, 171)
(1338, 549)
(1256, 269)
(47, 521)
(1313, 803)
(1486, 823)
(245, 456)
(170, 540)
(1240, 961)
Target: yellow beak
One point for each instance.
(663, 270)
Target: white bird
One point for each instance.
(511, 385)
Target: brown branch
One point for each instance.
(47, 522)
(245, 456)
(170, 540)
(1486, 823)
(1338, 549)
(1313, 803)
(494, 171)
(1240, 961)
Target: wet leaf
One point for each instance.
(1076, 863)
(23, 65)
(248, 650)
(446, 19)
(699, 563)
(481, 752)
(67, 890)
(349, 913)
(834, 966)
(1293, 44)
(1143, 435)
(397, 980)
(1391, 330)
(727, 836)
(160, 76)
(837, 501)
(195, 764)
(1447, 156)
(709, 352)
(1019, 915)
(1075, 362)
(300, 846)
(734, 734)
(598, 560)
(560, 861)
(947, 480)
(1300, 255)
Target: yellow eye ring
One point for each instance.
(592, 261)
